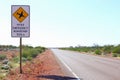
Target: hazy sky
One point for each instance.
(65, 22)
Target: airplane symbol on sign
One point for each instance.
(20, 14)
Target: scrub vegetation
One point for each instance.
(30, 52)
(98, 50)
(10, 59)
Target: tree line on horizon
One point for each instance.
(98, 50)
(7, 47)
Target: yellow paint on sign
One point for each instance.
(20, 14)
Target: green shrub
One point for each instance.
(116, 50)
(11, 65)
(17, 59)
(30, 52)
(107, 49)
(25, 53)
(98, 52)
(2, 56)
(5, 61)
(114, 54)
(40, 49)
(24, 59)
(5, 67)
(34, 53)
(118, 55)
(29, 58)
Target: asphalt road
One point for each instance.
(88, 67)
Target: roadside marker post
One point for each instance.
(20, 25)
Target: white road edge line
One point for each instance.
(70, 70)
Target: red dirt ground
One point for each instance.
(43, 67)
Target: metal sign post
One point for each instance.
(20, 24)
(21, 55)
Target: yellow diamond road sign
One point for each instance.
(20, 14)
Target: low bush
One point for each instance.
(114, 54)
(29, 58)
(17, 59)
(2, 56)
(98, 52)
(116, 50)
(31, 52)
(5, 67)
(107, 49)
(5, 61)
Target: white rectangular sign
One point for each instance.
(20, 21)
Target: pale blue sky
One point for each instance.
(65, 22)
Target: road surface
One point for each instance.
(88, 67)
